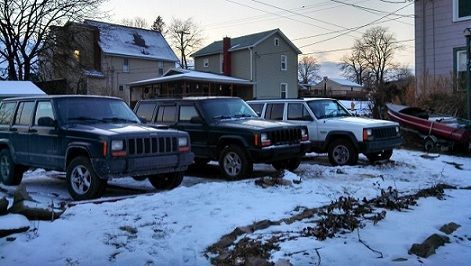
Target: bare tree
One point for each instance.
(308, 70)
(158, 25)
(24, 27)
(185, 37)
(354, 67)
(136, 22)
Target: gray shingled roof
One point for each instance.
(236, 43)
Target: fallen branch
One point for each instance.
(380, 254)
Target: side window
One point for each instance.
(274, 111)
(297, 111)
(257, 107)
(146, 111)
(44, 109)
(24, 113)
(187, 112)
(166, 114)
(7, 110)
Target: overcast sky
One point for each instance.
(314, 26)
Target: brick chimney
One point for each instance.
(226, 60)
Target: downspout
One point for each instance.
(254, 85)
(424, 53)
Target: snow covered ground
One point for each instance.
(175, 227)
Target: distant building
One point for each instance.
(335, 88)
(101, 58)
(440, 52)
(269, 60)
(9, 89)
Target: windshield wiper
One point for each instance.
(84, 118)
(243, 115)
(118, 119)
(222, 117)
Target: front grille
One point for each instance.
(384, 132)
(285, 136)
(142, 146)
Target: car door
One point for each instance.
(190, 120)
(274, 111)
(21, 131)
(298, 113)
(45, 148)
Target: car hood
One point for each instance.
(357, 121)
(252, 124)
(116, 129)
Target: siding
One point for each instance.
(215, 63)
(436, 36)
(267, 69)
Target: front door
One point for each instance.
(45, 149)
(298, 113)
(190, 120)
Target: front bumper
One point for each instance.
(142, 165)
(279, 152)
(380, 145)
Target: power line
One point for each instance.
(357, 28)
(347, 49)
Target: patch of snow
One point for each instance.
(13, 221)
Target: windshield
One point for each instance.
(327, 109)
(226, 108)
(94, 110)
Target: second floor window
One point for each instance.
(206, 62)
(125, 65)
(284, 62)
(160, 65)
(461, 10)
(276, 42)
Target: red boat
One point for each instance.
(448, 128)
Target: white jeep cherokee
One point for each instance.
(333, 129)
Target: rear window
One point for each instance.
(146, 111)
(187, 112)
(7, 110)
(166, 114)
(25, 113)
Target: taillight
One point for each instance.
(105, 148)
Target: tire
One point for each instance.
(10, 174)
(166, 181)
(82, 181)
(342, 152)
(234, 163)
(291, 164)
(379, 156)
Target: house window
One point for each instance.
(160, 65)
(276, 42)
(125, 65)
(284, 62)
(206, 62)
(460, 68)
(461, 10)
(284, 90)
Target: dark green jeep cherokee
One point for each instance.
(228, 130)
(92, 138)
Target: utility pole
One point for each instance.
(182, 48)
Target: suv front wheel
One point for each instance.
(82, 181)
(166, 181)
(342, 152)
(234, 163)
(10, 174)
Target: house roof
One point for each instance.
(19, 88)
(133, 42)
(185, 74)
(345, 82)
(242, 42)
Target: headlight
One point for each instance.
(367, 134)
(304, 135)
(117, 145)
(397, 130)
(182, 141)
(264, 137)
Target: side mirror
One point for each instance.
(196, 120)
(46, 122)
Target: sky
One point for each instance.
(318, 27)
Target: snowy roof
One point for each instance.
(345, 82)
(19, 88)
(185, 74)
(129, 41)
(242, 42)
